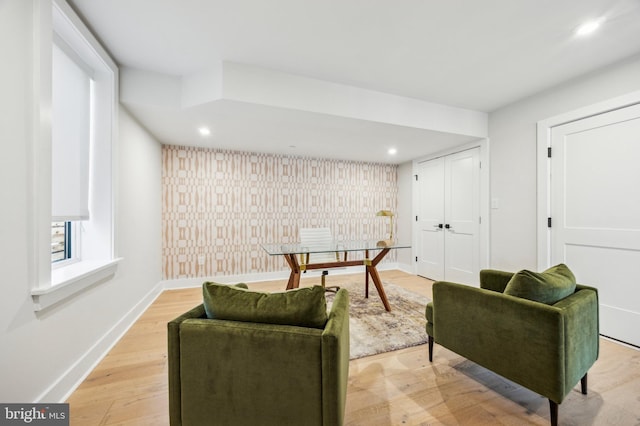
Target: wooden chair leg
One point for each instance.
(583, 384)
(553, 409)
(430, 340)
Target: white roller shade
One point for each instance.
(71, 104)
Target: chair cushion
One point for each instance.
(304, 307)
(548, 287)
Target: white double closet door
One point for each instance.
(448, 217)
(595, 211)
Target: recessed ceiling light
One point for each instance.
(392, 151)
(204, 131)
(588, 27)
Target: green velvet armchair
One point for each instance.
(545, 347)
(224, 372)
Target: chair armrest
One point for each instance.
(337, 326)
(492, 279)
(335, 360)
(581, 329)
(504, 333)
(173, 347)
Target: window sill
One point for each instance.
(70, 280)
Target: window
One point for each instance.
(61, 241)
(74, 166)
(71, 100)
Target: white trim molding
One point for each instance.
(72, 279)
(543, 142)
(69, 381)
(485, 196)
(98, 258)
(179, 283)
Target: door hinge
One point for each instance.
(416, 258)
(548, 222)
(549, 152)
(416, 218)
(480, 220)
(416, 176)
(480, 164)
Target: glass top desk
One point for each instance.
(292, 252)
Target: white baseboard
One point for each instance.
(406, 267)
(223, 279)
(68, 382)
(270, 276)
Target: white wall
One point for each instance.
(512, 132)
(43, 355)
(404, 224)
(15, 347)
(139, 203)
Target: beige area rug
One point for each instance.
(373, 330)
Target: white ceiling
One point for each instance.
(478, 55)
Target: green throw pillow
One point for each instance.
(548, 287)
(304, 307)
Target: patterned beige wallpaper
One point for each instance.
(218, 206)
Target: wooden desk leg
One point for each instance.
(294, 276)
(371, 269)
(366, 276)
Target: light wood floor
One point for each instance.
(129, 386)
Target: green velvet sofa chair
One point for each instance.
(545, 347)
(231, 372)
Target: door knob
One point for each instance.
(438, 226)
(447, 226)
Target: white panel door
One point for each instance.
(595, 208)
(462, 217)
(448, 217)
(430, 219)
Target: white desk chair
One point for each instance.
(319, 238)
